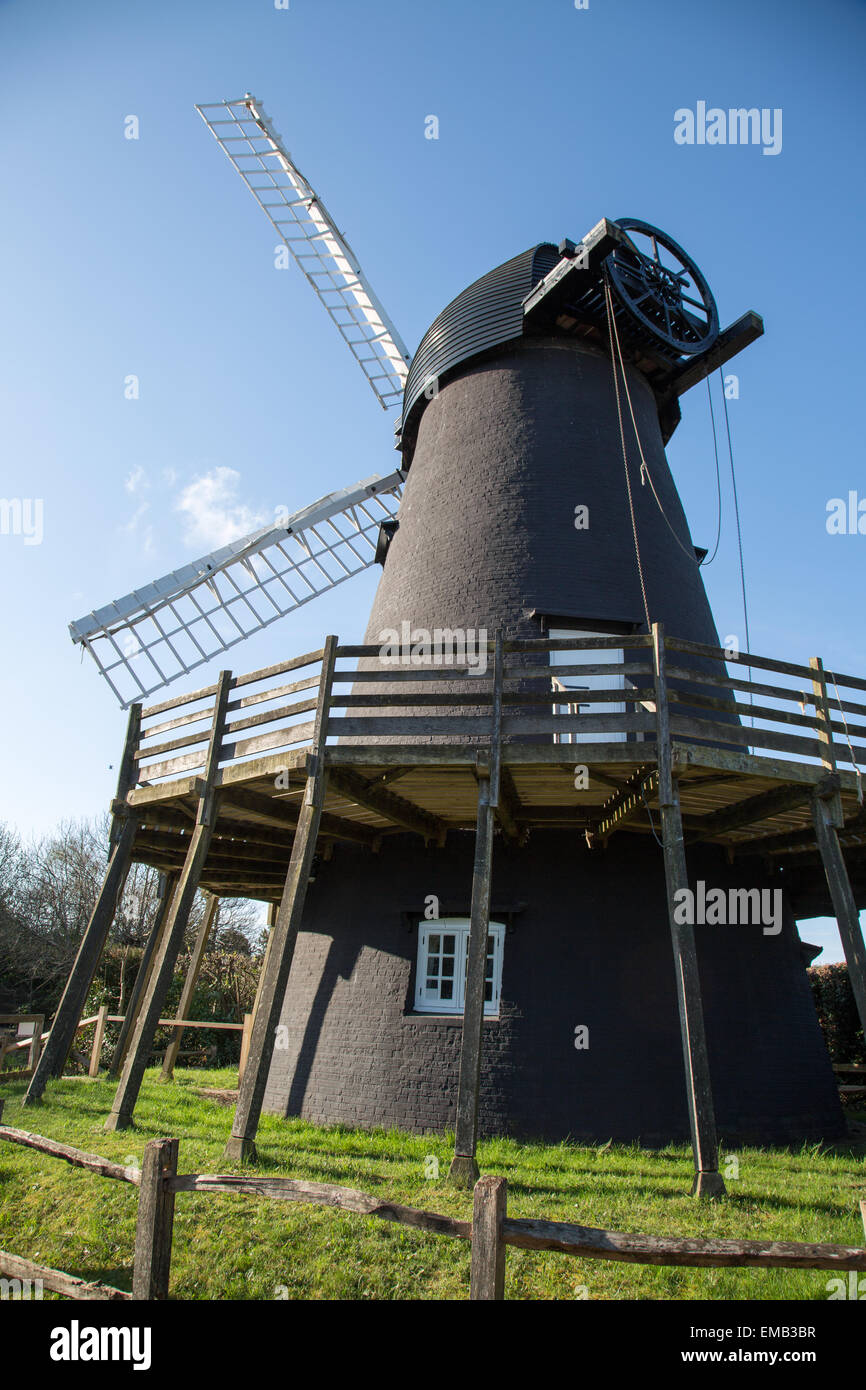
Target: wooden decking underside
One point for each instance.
(748, 804)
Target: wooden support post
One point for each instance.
(245, 1045)
(487, 1267)
(70, 1008)
(207, 922)
(842, 897)
(281, 947)
(464, 1167)
(168, 883)
(154, 1227)
(98, 1039)
(165, 959)
(708, 1180)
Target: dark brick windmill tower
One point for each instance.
(498, 958)
(510, 423)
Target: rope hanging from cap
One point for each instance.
(610, 329)
(705, 562)
(736, 514)
(645, 475)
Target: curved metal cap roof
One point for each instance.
(486, 313)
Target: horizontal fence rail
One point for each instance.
(562, 690)
(27, 1275)
(489, 1231)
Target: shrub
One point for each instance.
(837, 1012)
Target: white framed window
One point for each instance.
(443, 961)
(567, 684)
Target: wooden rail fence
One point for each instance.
(104, 1017)
(803, 712)
(34, 1044)
(489, 1232)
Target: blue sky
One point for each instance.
(148, 257)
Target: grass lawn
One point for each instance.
(236, 1247)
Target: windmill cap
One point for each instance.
(488, 312)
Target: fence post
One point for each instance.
(36, 1044)
(98, 1036)
(153, 1230)
(487, 1268)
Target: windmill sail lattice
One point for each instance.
(168, 628)
(307, 228)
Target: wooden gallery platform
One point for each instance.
(235, 787)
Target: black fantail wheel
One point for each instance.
(661, 287)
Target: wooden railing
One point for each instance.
(209, 1024)
(805, 713)
(490, 1231)
(32, 1044)
(102, 1018)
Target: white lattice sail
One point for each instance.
(303, 222)
(146, 640)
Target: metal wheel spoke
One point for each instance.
(656, 290)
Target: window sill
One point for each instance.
(423, 1017)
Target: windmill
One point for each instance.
(533, 508)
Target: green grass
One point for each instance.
(234, 1247)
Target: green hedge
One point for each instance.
(837, 1012)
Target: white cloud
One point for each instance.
(136, 531)
(137, 480)
(212, 513)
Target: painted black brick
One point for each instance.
(591, 946)
(504, 454)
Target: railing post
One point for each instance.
(155, 1223)
(98, 1037)
(487, 1266)
(825, 737)
(708, 1180)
